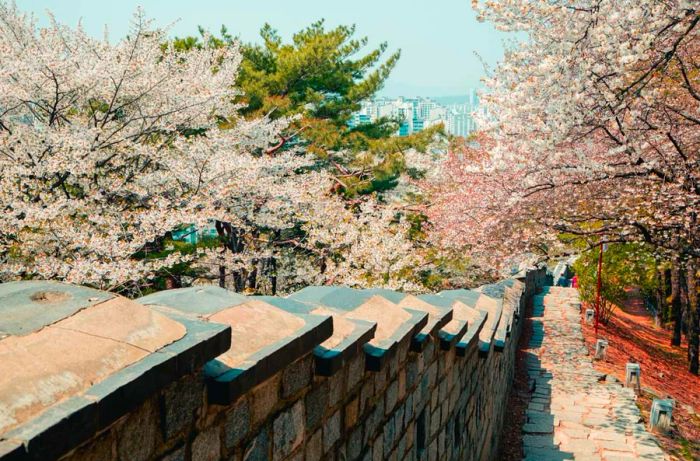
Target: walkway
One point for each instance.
(574, 413)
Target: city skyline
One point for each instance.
(420, 112)
(439, 41)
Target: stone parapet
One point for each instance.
(205, 374)
(74, 360)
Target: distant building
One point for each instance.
(404, 129)
(360, 119)
(417, 114)
(418, 124)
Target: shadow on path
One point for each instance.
(573, 412)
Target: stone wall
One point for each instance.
(441, 398)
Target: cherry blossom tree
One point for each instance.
(593, 124)
(594, 130)
(313, 236)
(601, 102)
(106, 149)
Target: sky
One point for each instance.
(439, 39)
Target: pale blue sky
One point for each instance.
(438, 38)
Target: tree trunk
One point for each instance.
(676, 314)
(693, 317)
(660, 297)
(172, 281)
(685, 309)
(231, 240)
(222, 276)
(668, 314)
(252, 279)
(272, 274)
(239, 278)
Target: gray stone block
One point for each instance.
(431, 374)
(389, 435)
(393, 364)
(139, 435)
(356, 370)
(392, 396)
(366, 394)
(380, 381)
(378, 450)
(316, 403)
(429, 352)
(259, 448)
(314, 446)
(297, 376)
(336, 387)
(237, 425)
(265, 398)
(399, 419)
(288, 431)
(424, 389)
(373, 421)
(181, 403)
(352, 410)
(409, 407)
(331, 431)
(434, 422)
(354, 444)
(207, 445)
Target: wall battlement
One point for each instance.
(203, 373)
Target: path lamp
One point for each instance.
(590, 315)
(661, 415)
(601, 349)
(633, 378)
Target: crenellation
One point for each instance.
(369, 400)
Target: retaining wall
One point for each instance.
(328, 373)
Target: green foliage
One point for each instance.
(624, 265)
(417, 230)
(447, 268)
(321, 78)
(320, 68)
(170, 277)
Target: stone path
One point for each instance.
(574, 412)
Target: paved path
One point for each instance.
(574, 413)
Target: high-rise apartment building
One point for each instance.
(417, 114)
